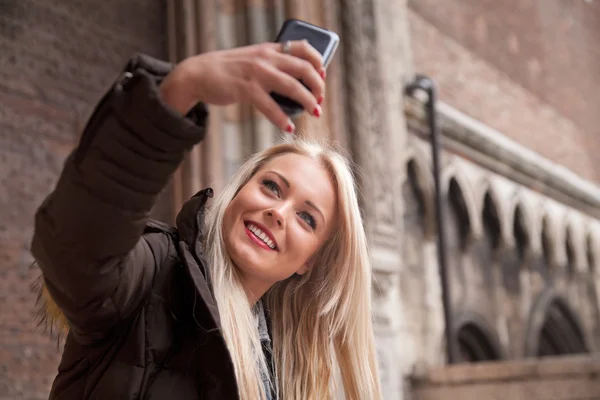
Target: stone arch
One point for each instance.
(477, 339)
(521, 232)
(549, 241)
(457, 202)
(452, 173)
(492, 189)
(491, 219)
(521, 215)
(554, 328)
(420, 177)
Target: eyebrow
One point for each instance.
(308, 202)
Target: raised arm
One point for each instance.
(88, 239)
(87, 232)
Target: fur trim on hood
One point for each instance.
(48, 315)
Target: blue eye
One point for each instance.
(305, 216)
(310, 220)
(272, 186)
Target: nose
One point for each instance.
(277, 216)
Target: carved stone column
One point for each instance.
(377, 63)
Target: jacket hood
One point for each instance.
(190, 220)
(189, 227)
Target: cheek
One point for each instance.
(247, 199)
(229, 218)
(305, 244)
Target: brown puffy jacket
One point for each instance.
(143, 323)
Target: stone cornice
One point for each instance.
(493, 150)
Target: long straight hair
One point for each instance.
(322, 334)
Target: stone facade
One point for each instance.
(522, 229)
(519, 257)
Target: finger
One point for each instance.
(266, 105)
(288, 86)
(302, 69)
(304, 50)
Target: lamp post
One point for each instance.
(427, 85)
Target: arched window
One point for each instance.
(554, 327)
(547, 244)
(474, 345)
(459, 212)
(484, 251)
(520, 233)
(560, 333)
(491, 221)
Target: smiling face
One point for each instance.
(279, 219)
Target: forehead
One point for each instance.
(305, 175)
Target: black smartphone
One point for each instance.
(324, 40)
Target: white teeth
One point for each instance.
(260, 234)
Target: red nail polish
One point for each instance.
(320, 100)
(317, 111)
(323, 73)
(290, 128)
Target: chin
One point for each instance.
(245, 257)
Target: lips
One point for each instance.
(260, 235)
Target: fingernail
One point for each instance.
(320, 100)
(317, 111)
(323, 73)
(290, 127)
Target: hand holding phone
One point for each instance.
(260, 75)
(323, 40)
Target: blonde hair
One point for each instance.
(321, 322)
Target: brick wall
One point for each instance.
(56, 59)
(526, 68)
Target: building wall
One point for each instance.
(572, 378)
(56, 60)
(525, 68)
(515, 256)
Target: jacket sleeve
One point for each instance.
(88, 239)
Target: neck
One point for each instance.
(254, 288)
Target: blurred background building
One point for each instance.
(519, 95)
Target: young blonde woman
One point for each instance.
(263, 294)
